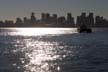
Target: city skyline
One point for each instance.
(11, 9)
(53, 20)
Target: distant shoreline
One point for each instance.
(48, 27)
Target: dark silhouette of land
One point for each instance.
(54, 21)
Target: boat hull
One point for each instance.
(85, 30)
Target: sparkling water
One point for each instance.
(53, 50)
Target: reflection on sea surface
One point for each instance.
(36, 31)
(52, 50)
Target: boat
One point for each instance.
(84, 29)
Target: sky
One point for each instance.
(11, 9)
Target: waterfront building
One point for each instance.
(33, 18)
(54, 19)
(43, 18)
(90, 20)
(70, 20)
(26, 21)
(19, 22)
(48, 18)
(81, 19)
(61, 21)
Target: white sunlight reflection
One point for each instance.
(40, 53)
(41, 31)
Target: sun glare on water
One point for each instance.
(37, 53)
(40, 31)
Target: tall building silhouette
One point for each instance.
(61, 21)
(81, 19)
(26, 21)
(33, 18)
(54, 19)
(70, 20)
(90, 20)
(47, 18)
(85, 20)
(101, 22)
(19, 22)
(43, 18)
(78, 21)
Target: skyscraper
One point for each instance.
(47, 18)
(90, 20)
(33, 18)
(81, 20)
(43, 18)
(70, 20)
(19, 22)
(54, 19)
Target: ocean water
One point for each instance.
(53, 50)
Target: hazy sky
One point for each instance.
(10, 9)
